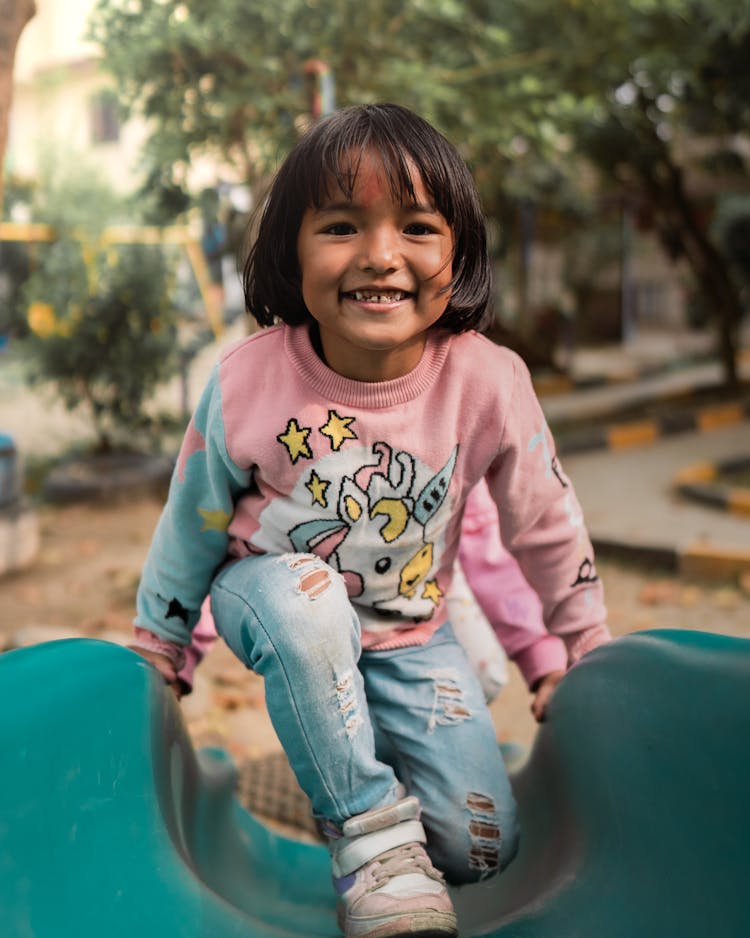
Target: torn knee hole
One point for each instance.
(449, 706)
(315, 583)
(315, 576)
(484, 830)
(481, 804)
(347, 701)
(295, 561)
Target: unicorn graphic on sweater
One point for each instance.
(386, 536)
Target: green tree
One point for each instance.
(228, 78)
(526, 87)
(661, 113)
(102, 325)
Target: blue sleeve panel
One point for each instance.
(190, 541)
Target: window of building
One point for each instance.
(105, 118)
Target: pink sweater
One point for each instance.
(284, 454)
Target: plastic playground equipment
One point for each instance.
(634, 805)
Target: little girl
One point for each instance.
(318, 497)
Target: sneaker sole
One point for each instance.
(415, 925)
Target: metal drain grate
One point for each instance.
(268, 789)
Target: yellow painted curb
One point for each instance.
(698, 472)
(632, 434)
(704, 561)
(738, 501)
(722, 415)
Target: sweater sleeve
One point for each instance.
(190, 541)
(541, 523)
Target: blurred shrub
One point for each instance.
(15, 262)
(102, 326)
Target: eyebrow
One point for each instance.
(346, 206)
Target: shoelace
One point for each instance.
(410, 858)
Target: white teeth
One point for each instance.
(365, 297)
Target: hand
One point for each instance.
(544, 690)
(163, 665)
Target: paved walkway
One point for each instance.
(625, 476)
(631, 507)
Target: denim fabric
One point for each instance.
(355, 724)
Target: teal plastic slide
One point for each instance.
(634, 806)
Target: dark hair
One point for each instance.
(330, 152)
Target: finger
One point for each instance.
(539, 705)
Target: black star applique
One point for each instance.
(176, 610)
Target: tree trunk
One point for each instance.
(711, 271)
(678, 224)
(14, 15)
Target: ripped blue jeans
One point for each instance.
(354, 724)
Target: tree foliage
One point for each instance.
(102, 326)
(525, 87)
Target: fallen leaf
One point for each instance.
(232, 698)
(88, 548)
(658, 592)
(691, 596)
(726, 598)
(30, 595)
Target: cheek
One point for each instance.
(438, 270)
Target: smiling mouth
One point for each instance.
(377, 296)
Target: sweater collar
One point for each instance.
(366, 394)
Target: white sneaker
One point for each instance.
(386, 883)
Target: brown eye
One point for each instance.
(417, 229)
(340, 228)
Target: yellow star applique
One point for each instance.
(317, 488)
(337, 429)
(432, 592)
(216, 520)
(295, 440)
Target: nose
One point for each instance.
(380, 252)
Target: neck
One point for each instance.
(369, 365)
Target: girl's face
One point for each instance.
(375, 274)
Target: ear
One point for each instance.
(311, 534)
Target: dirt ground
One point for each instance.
(84, 580)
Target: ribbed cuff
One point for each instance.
(583, 642)
(173, 652)
(547, 654)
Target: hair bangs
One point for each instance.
(337, 164)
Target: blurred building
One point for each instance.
(64, 102)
